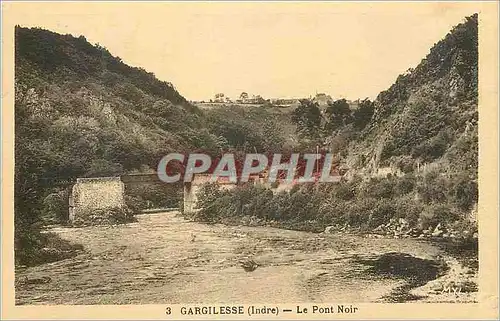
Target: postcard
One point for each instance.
(249, 160)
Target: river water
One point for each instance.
(163, 258)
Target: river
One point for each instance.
(163, 258)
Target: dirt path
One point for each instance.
(165, 259)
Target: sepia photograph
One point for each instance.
(250, 159)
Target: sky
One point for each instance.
(295, 49)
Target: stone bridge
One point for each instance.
(109, 192)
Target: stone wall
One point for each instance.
(96, 193)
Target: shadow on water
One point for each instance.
(415, 271)
(465, 251)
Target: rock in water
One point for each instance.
(249, 265)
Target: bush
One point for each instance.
(436, 214)
(357, 213)
(357, 204)
(463, 192)
(55, 208)
(379, 188)
(261, 205)
(433, 148)
(409, 209)
(465, 228)
(208, 194)
(256, 201)
(381, 213)
(344, 192)
(432, 188)
(213, 203)
(405, 184)
(332, 211)
(302, 206)
(45, 248)
(215, 211)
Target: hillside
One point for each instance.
(429, 115)
(119, 117)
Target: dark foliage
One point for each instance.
(308, 118)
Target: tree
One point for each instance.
(364, 113)
(244, 96)
(307, 117)
(338, 114)
(219, 97)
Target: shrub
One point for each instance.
(465, 228)
(303, 206)
(463, 192)
(405, 184)
(262, 205)
(436, 214)
(215, 203)
(46, 248)
(433, 148)
(344, 192)
(381, 213)
(55, 208)
(213, 212)
(410, 209)
(358, 213)
(355, 215)
(333, 212)
(432, 188)
(256, 201)
(379, 188)
(208, 194)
